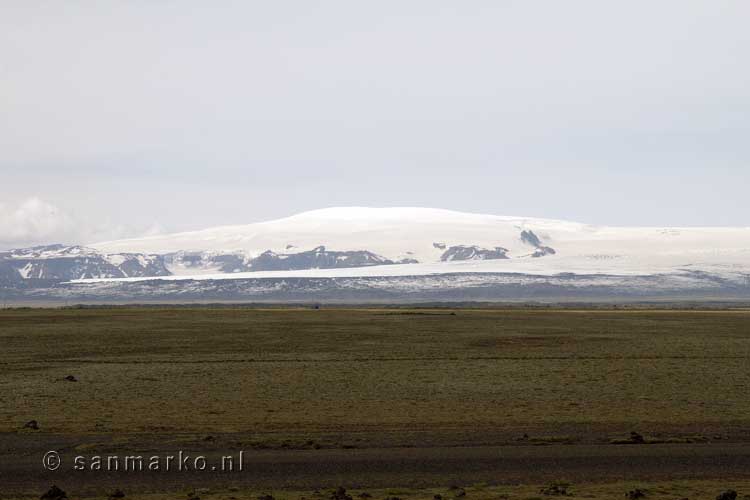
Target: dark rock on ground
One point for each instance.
(54, 493)
(555, 490)
(117, 494)
(727, 495)
(71, 378)
(340, 494)
(636, 438)
(31, 424)
(636, 493)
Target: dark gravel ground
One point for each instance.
(22, 473)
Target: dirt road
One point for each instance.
(21, 470)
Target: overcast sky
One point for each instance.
(122, 118)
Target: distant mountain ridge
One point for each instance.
(49, 264)
(396, 244)
(45, 265)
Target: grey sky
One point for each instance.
(118, 118)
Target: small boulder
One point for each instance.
(117, 494)
(71, 378)
(340, 494)
(636, 493)
(727, 495)
(31, 424)
(636, 438)
(555, 490)
(54, 493)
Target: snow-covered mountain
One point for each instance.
(395, 233)
(393, 246)
(44, 265)
(430, 240)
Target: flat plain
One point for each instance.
(398, 398)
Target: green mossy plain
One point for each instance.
(311, 372)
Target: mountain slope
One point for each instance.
(44, 265)
(427, 236)
(389, 232)
(392, 253)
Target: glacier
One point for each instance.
(407, 253)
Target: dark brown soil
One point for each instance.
(417, 467)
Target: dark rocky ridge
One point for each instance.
(317, 258)
(320, 258)
(461, 252)
(43, 266)
(223, 263)
(528, 237)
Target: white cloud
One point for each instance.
(35, 221)
(38, 222)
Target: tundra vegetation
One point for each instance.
(307, 380)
